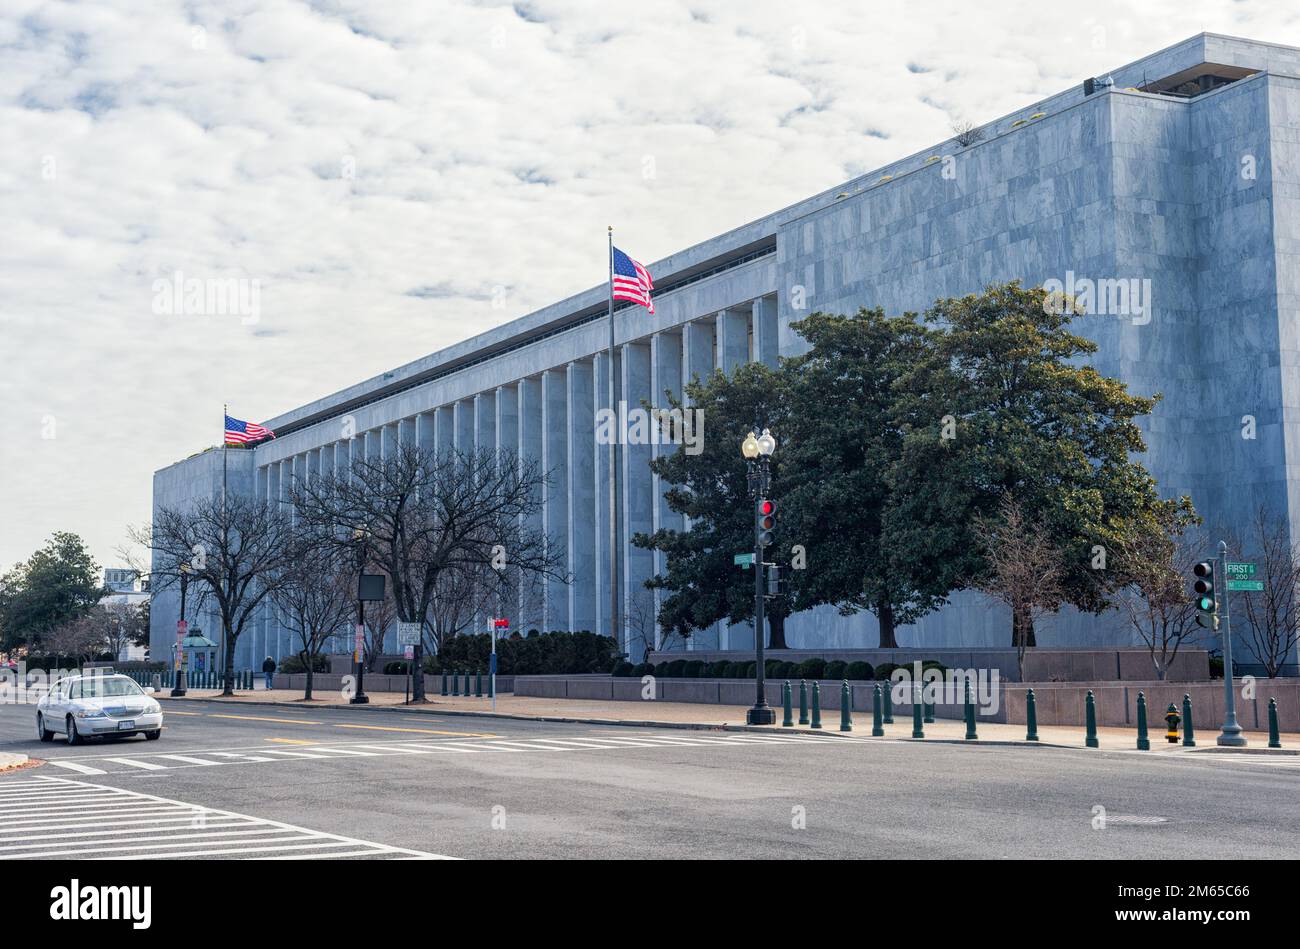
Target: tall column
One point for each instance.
(581, 540)
(530, 451)
(463, 437)
(485, 421)
(445, 429)
(425, 437)
(555, 494)
(606, 625)
(507, 428)
(697, 351)
(637, 502)
(733, 339)
(666, 371)
(407, 432)
(767, 344)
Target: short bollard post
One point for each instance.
(787, 720)
(455, 682)
(1090, 708)
(444, 681)
(466, 683)
(877, 721)
(846, 711)
(970, 715)
(927, 708)
(918, 730)
(803, 701)
(1144, 743)
(817, 705)
(1189, 740)
(478, 683)
(1274, 736)
(1031, 716)
(888, 690)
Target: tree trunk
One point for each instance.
(417, 674)
(776, 630)
(311, 663)
(1022, 624)
(228, 686)
(885, 616)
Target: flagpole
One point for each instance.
(613, 466)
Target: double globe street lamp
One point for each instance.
(758, 450)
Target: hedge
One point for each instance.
(557, 653)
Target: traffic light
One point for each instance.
(1207, 607)
(773, 580)
(766, 521)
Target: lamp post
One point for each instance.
(758, 450)
(359, 645)
(178, 689)
(1230, 734)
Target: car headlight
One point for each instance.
(89, 713)
(153, 708)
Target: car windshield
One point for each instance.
(109, 687)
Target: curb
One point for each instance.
(9, 761)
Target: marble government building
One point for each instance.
(1181, 169)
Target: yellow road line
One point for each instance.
(292, 741)
(422, 731)
(264, 718)
(174, 712)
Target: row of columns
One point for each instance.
(552, 416)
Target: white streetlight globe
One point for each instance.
(766, 443)
(750, 447)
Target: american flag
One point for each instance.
(241, 433)
(631, 281)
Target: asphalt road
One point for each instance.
(280, 781)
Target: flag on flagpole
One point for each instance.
(631, 281)
(239, 432)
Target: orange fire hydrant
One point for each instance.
(1173, 718)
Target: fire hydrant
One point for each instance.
(1173, 718)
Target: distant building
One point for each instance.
(127, 590)
(1171, 193)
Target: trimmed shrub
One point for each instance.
(858, 670)
(293, 664)
(395, 668)
(623, 669)
(718, 670)
(642, 669)
(812, 668)
(676, 669)
(695, 669)
(835, 669)
(885, 670)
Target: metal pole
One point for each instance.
(1231, 733)
(761, 713)
(178, 688)
(613, 466)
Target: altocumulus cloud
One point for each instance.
(374, 166)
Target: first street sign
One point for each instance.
(1240, 571)
(743, 560)
(1239, 578)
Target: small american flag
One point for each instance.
(631, 281)
(241, 433)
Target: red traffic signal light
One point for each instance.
(766, 507)
(766, 521)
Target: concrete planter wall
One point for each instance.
(1057, 703)
(329, 682)
(1042, 664)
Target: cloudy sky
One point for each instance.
(395, 176)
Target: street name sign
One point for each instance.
(408, 634)
(743, 560)
(1240, 577)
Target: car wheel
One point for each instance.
(43, 733)
(74, 736)
(153, 735)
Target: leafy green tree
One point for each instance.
(58, 584)
(1006, 404)
(702, 583)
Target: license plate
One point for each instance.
(123, 726)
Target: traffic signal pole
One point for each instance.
(1231, 733)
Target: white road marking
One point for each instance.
(79, 768)
(159, 828)
(136, 763)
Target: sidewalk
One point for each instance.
(732, 718)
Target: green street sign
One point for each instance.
(743, 560)
(1250, 586)
(1240, 571)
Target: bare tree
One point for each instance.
(1273, 614)
(81, 638)
(314, 595)
(379, 617)
(1157, 560)
(967, 133)
(237, 550)
(421, 517)
(1023, 569)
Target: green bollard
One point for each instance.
(1274, 737)
(444, 681)
(455, 683)
(478, 684)
(1090, 707)
(928, 709)
(466, 683)
(877, 723)
(803, 701)
(1031, 716)
(1189, 740)
(788, 720)
(888, 690)
(846, 707)
(970, 716)
(918, 708)
(816, 705)
(1144, 743)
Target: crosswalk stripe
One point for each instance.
(292, 754)
(136, 763)
(346, 751)
(79, 768)
(188, 759)
(239, 757)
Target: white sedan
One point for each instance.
(87, 705)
